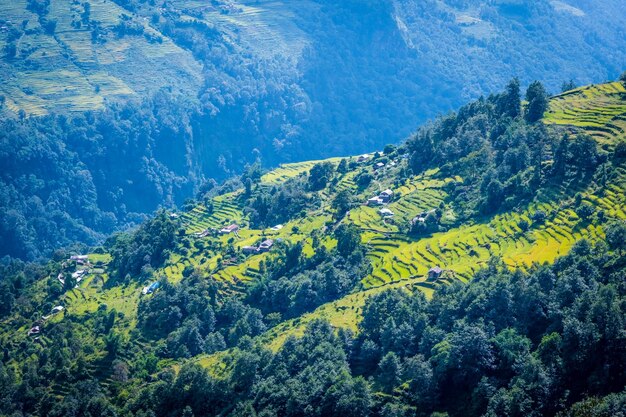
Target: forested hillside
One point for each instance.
(131, 105)
(476, 269)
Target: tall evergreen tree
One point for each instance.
(509, 103)
(537, 98)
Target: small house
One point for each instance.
(57, 309)
(80, 259)
(363, 158)
(79, 274)
(266, 245)
(173, 216)
(418, 219)
(434, 273)
(379, 165)
(151, 288)
(249, 250)
(385, 212)
(374, 201)
(277, 227)
(203, 233)
(386, 196)
(229, 229)
(34, 330)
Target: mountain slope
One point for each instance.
(62, 56)
(220, 301)
(153, 98)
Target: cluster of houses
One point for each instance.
(77, 275)
(380, 199)
(80, 273)
(377, 166)
(232, 228)
(263, 247)
(36, 329)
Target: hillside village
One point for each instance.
(387, 208)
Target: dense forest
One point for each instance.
(545, 339)
(544, 342)
(285, 82)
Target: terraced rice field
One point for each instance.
(287, 171)
(465, 249)
(200, 218)
(82, 75)
(599, 110)
(267, 26)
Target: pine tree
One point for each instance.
(509, 103)
(537, 98)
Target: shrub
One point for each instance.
(523, 225)
(539, 217)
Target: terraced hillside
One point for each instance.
(65, 58)
(538, 230)
(596, 109)
(267, 27)
(516, 237)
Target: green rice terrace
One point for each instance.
(216, 234)
(599, 109)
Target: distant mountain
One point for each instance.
(136, 103)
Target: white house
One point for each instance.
(386, 196)
(385, 212)
(229, 229)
